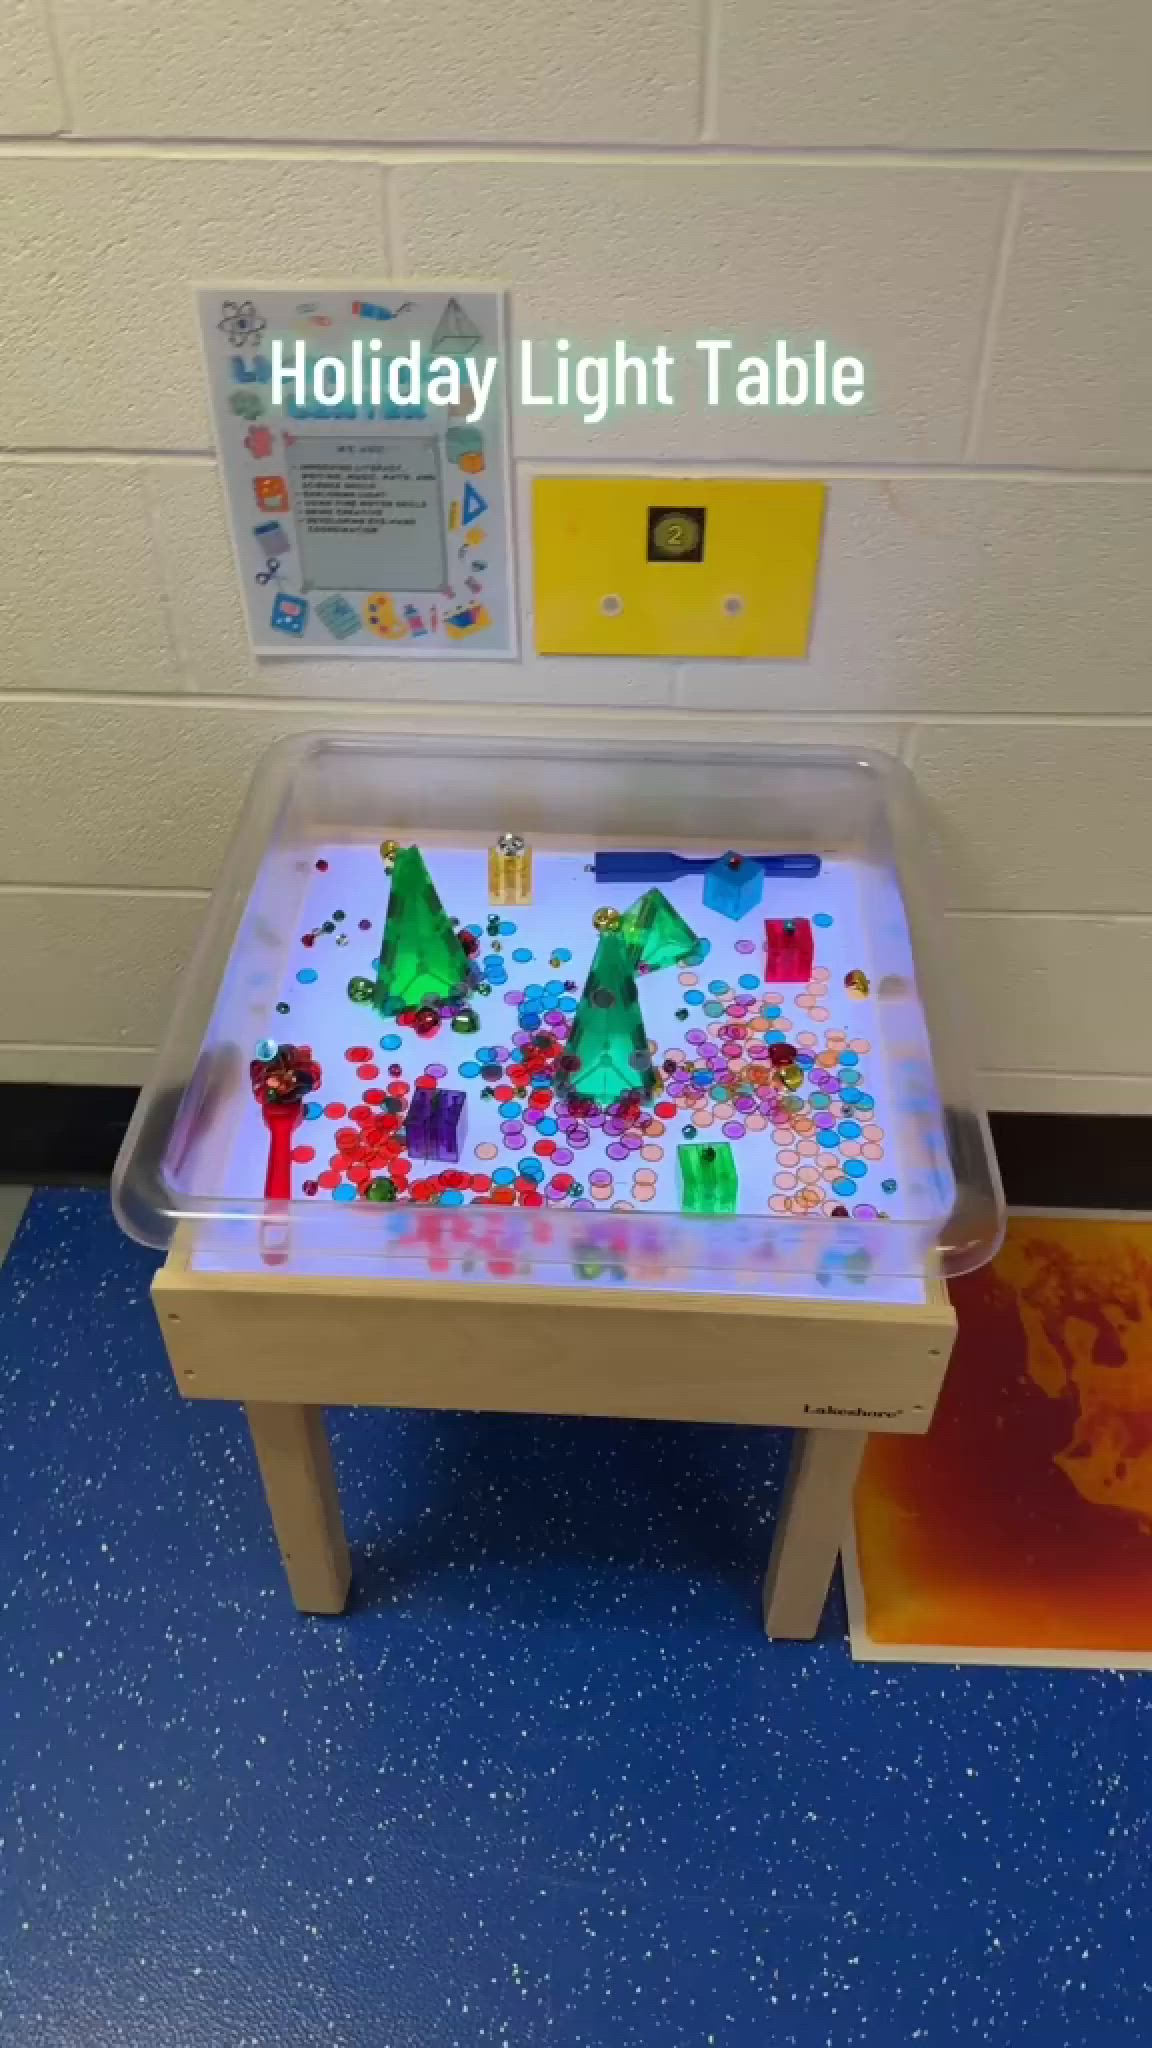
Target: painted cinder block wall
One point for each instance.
(961, 193)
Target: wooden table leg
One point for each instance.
(813, 1517)
(299, 1484)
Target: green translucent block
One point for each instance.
(606, 1056)
(656, 932)
(709, 1185)
(421, 958)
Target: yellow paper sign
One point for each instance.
(680, 567)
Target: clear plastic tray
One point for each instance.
(307, 845)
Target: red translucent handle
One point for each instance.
(281, 1119)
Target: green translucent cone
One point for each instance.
(607, 1056)
(421, 958)
(708, 1181)
(656, 933)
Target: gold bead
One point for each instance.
(389, 848)
(607, 919)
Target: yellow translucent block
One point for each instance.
(509, 876)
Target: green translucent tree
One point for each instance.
(421, 958)
(607, 1056)
(656, 933)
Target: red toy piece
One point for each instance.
(787, 949)
(280, 1085)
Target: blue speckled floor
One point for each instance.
(546, 1784)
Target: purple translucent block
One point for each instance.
(435, 1124)
(417, 1125)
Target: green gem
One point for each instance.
(682, 1016)
(380, 1190)
(466, 1021)
(338, 917)
(889, 1186)
(421, 958)
(328, 926)
(708, 1179)
(656, 933)
(360, 989)
(607, 1056)
(282, 1009)
(689, 1131)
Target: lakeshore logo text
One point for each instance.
(866, 1414)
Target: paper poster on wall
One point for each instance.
(362, 439)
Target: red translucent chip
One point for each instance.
(335, 1110)
(302, 1154)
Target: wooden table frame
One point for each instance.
(288, 1345)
